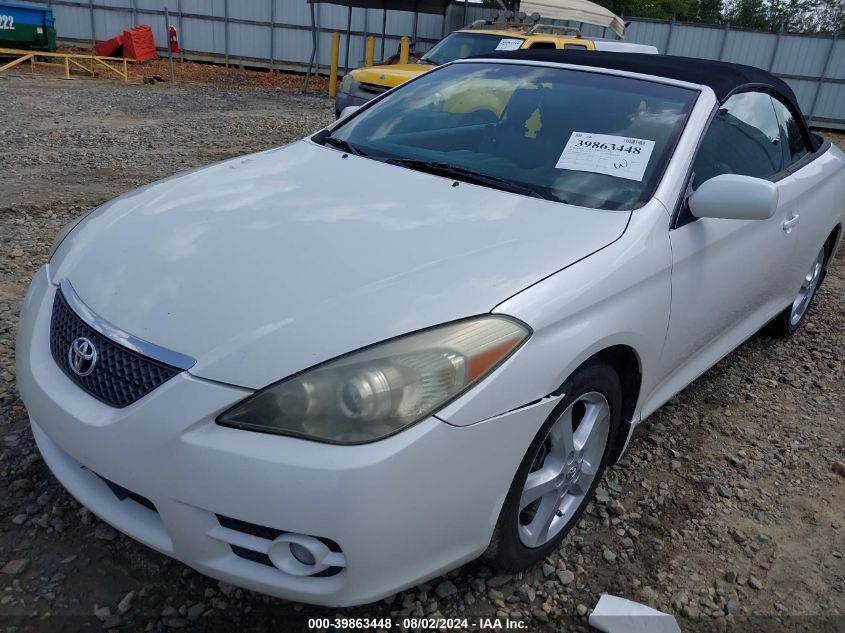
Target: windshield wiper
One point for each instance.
(464, 174)
(345, 146)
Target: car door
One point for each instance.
(727, 274)
(807, 196)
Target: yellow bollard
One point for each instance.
(32, 64)
(67, 68)
(125, 70)
(333, 71)
(370, 55)
(404, 49)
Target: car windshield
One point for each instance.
(579, 137)
(461, 45)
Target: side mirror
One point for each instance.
(347, 111)
(734, 197)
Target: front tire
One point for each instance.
(561, 469)
(787, 322)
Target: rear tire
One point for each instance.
(787, 322)
(564, 469)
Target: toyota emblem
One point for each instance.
(82, 356)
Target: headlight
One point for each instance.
(66, 229)
(377, 391)
(346, 83)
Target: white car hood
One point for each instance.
(265, 265)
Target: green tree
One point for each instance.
(831, 16)
(795, 15)
(709, 11)
(752, 14)
(655, 9)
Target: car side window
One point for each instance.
(795, 145)
(743, 138)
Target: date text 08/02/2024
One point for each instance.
(478, 624)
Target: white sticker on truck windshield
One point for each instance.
(620, 156)
(508, 44)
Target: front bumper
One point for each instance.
(344, 100)
(357, 95)
(401, 510)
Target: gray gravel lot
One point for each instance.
(726, 511)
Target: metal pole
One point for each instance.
(181, 31)
(383, 27)
(273, 42)
(812, 110)
(416, 22)
(369, 54)
(466, 8)
(134, 12)
(319, 34)
(724, 41)
(348, 36)
(669, 36)
(777, 45)
(313, 44)
(226, 29)
(443, 28)
(366, 36)
(333, 67)
(93, 30)
(169, 47)
(404, 49)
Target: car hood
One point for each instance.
(390, 75)
(264, 265)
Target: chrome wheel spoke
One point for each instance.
(591, 425)
(588, 468)
(539, 484)
(577, 488)
(562, 439)
(538, 530)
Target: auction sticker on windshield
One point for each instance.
(620, 156)
(509, 44)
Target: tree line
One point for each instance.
(794, 16)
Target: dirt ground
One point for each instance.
(726, 510)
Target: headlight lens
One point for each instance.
(375, 392)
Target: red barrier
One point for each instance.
(138, 43)
(110, 48)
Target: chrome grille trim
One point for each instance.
(121, 337)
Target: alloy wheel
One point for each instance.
(564, 469)
(808, 288)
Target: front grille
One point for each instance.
(375, 88)
(120, 376)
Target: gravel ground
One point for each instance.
(726, 511)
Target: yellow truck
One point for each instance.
(482, 37)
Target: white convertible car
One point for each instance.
(332, 370)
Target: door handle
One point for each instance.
(790, 222)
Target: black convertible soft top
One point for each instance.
(722, 77)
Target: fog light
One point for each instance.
(302, 554)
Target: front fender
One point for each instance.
(619, 295)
